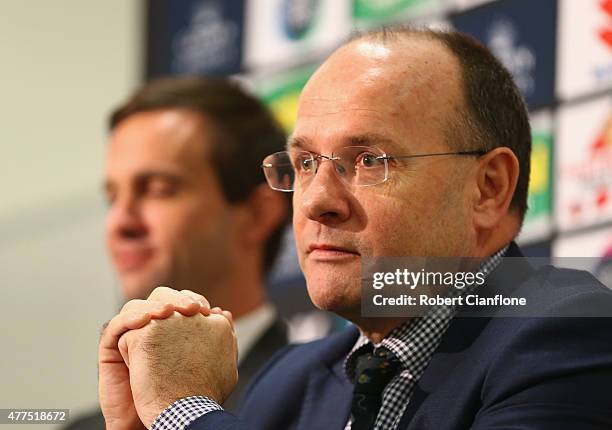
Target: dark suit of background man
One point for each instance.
(407, 143)
(189, 207)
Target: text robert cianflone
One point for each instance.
(412, 279)
(469, 300)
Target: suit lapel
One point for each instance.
(327, 400)
(328, 395)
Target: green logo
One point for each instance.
(383, 9)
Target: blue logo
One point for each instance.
(298, 17)
(209, 41)
(519, 59)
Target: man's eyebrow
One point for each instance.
(372, 139)
(145, 175)
(296, 142)
(365, 139)
(166, 174)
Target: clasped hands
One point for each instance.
(162, 349)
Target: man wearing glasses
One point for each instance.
(407, 143)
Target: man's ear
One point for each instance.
(266, 209)
(496, 180)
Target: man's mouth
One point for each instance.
(126, 260)
(330, 252)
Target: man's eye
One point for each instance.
(109, 194)
(367, 160)
(160, 188)
(307, 164)
(110, 198)
(304, 163)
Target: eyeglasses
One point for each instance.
(357, 166)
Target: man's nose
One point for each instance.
(124, 218)
(325, 198)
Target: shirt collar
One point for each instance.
(250, 327)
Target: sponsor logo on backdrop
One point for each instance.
(604, 36)
(539, 178)
(384, 9)
(281, 94)
(537, 222)
(298, 17)
(522, 35)
(208, 42)
(519, 59)
(594, 174)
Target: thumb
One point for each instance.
(123, 348)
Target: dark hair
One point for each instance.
(496, 115)
(244, 132)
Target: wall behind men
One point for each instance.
(65, 63)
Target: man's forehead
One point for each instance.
(387, 99)
(408, 66)
(159, 136)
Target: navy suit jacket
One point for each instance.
(487, 373)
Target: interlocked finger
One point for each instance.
(184, 303)
(197, 297)
(156, 309)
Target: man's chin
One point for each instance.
(139, 287)
(342, 300)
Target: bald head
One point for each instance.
(415, 77)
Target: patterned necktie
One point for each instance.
(373, 371)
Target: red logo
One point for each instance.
(601, 200)
(595, 174)
(605, 34)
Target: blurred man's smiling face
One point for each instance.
(168, 222)
(395, 97)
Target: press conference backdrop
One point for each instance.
(559, 52)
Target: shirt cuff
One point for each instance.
(183, 412)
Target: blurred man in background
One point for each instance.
(189, 207)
